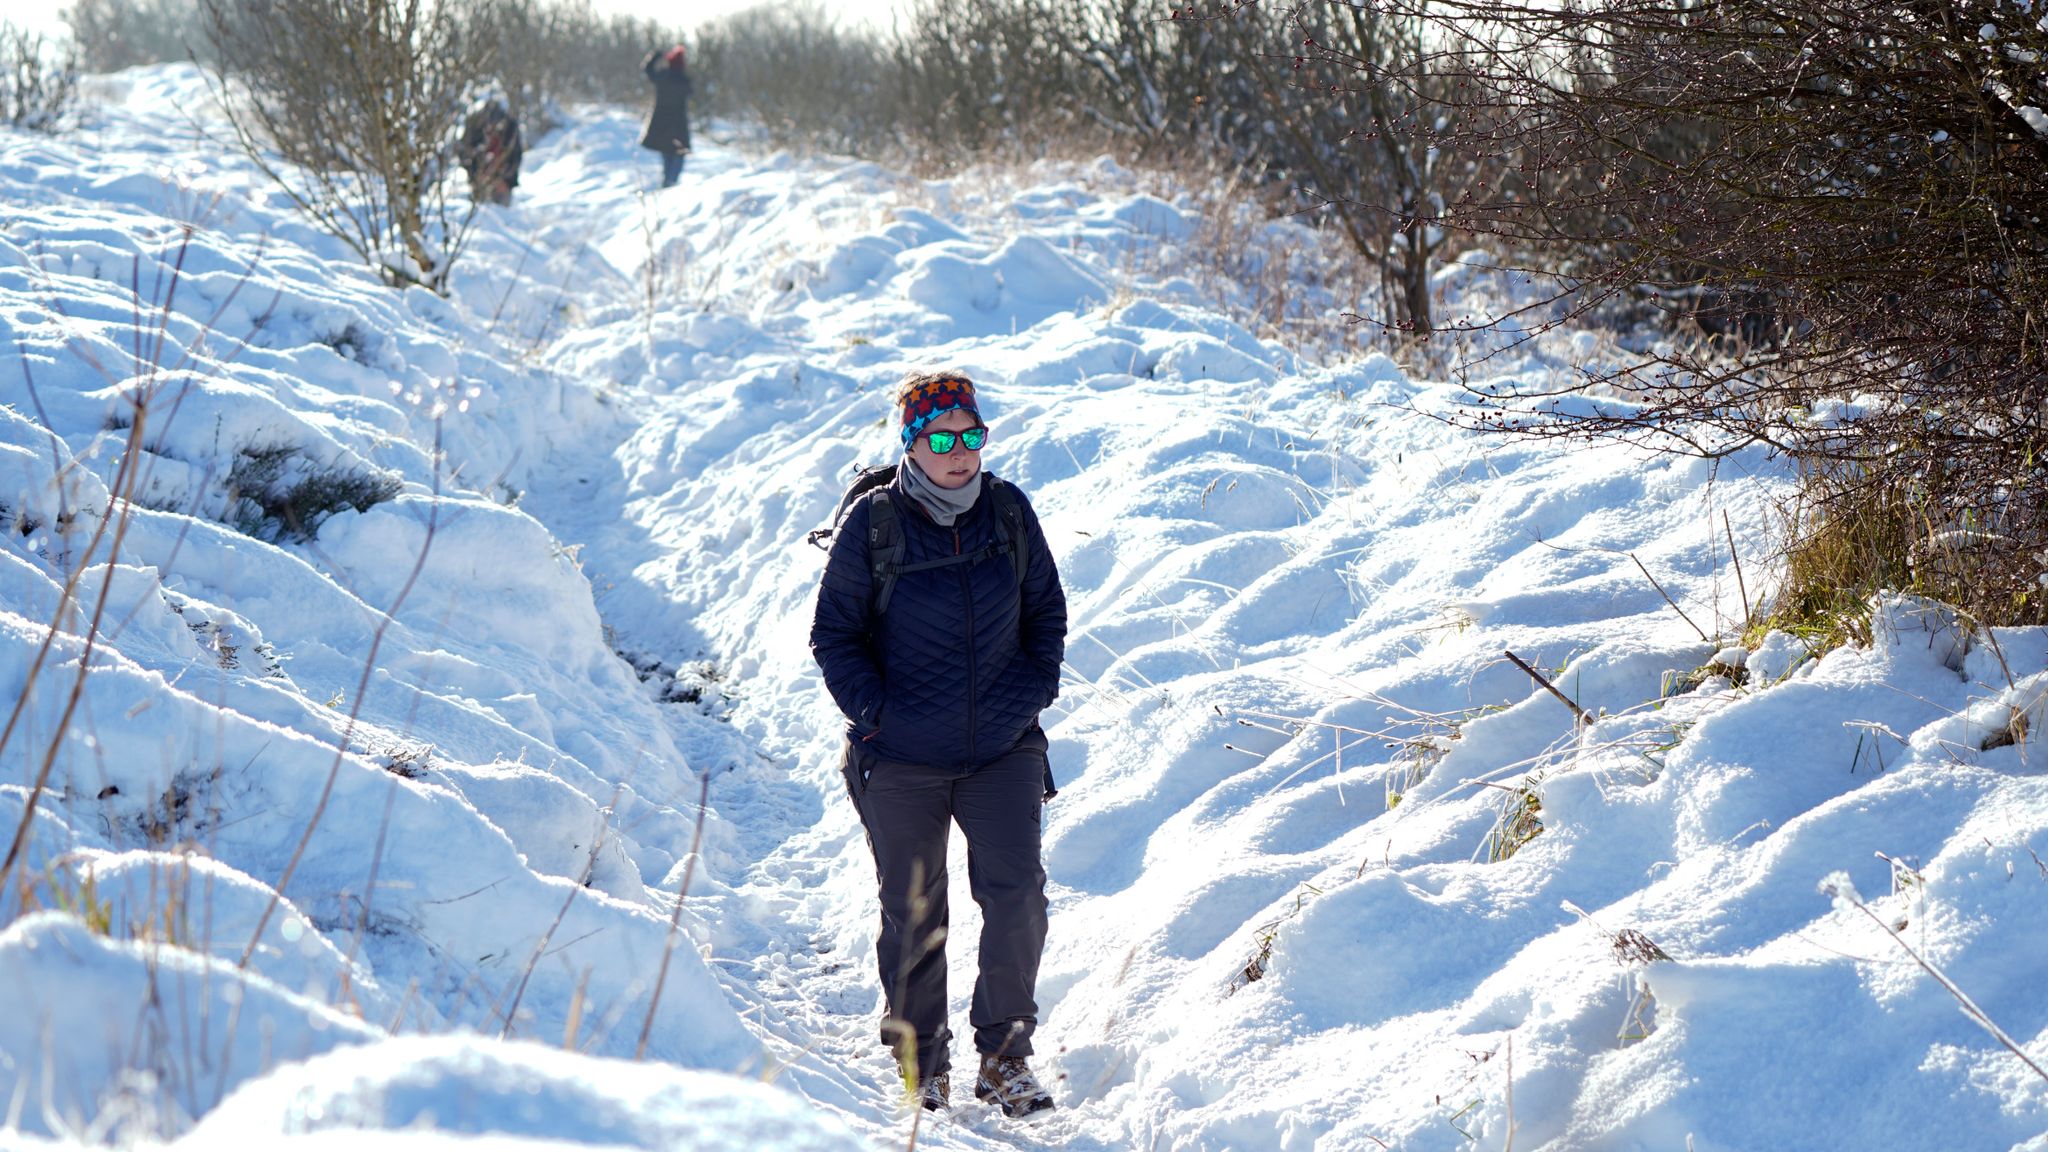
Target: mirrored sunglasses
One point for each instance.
(942, 442)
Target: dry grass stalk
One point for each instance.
(675, 920)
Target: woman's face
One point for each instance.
(955, 468)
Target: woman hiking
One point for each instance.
(668, 122)
(940, 627)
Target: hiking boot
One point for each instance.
(1007, 1081)
(935, 1093)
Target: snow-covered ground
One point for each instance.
(432, 619)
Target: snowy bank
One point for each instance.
(1329, 870)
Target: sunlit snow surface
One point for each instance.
(1292, 588)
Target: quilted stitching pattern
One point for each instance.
(960, 666)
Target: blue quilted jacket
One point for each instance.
(957, 670)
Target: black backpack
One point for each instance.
(885, 533)
(885, 542)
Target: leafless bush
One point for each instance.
(960, 80)
(276, 493)
(956, 78)
(37, 83)
(1070, 75)
(1966, 530)
(542, 53)
(352, 107)
(1348, 120)
(1264, 87)
(549, 52)
(602, 61)
(975, 75)
(114, 34)
(1841, 201)
(797, 74)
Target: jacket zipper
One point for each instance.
(967, 598)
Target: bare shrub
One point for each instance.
(1153, 87)
(796, 73)
(277, 493)
(1265, 88)
(975, 75)
(38, 83)
(601, 58)
(1941, 527)
(114, 34)
(960, 80)
(351, 107)
(1040, 76)
(546, 53)
(1362, 151)
(1839, 201)
(964, 80)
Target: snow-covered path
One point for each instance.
(794, 895)
(1291, 595)
(1328, 870)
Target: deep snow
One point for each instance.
(1290, 744)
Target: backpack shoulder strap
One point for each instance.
(885, 548)
(885, 540)
(1011, 516)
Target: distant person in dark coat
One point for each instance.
(490, 150)
(941, 639)
(668, 125)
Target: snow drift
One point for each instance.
(447, 609)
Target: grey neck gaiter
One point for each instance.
(945, 505)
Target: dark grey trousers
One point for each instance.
(908, 810)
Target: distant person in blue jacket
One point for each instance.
(940, 627)
(668, 124)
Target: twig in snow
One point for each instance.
(541, 949)
(574, 1024)
(121, 492)
(1741, 588)
(675, 918)
(1839, 889)
(1667, 598)
(1577, 711)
